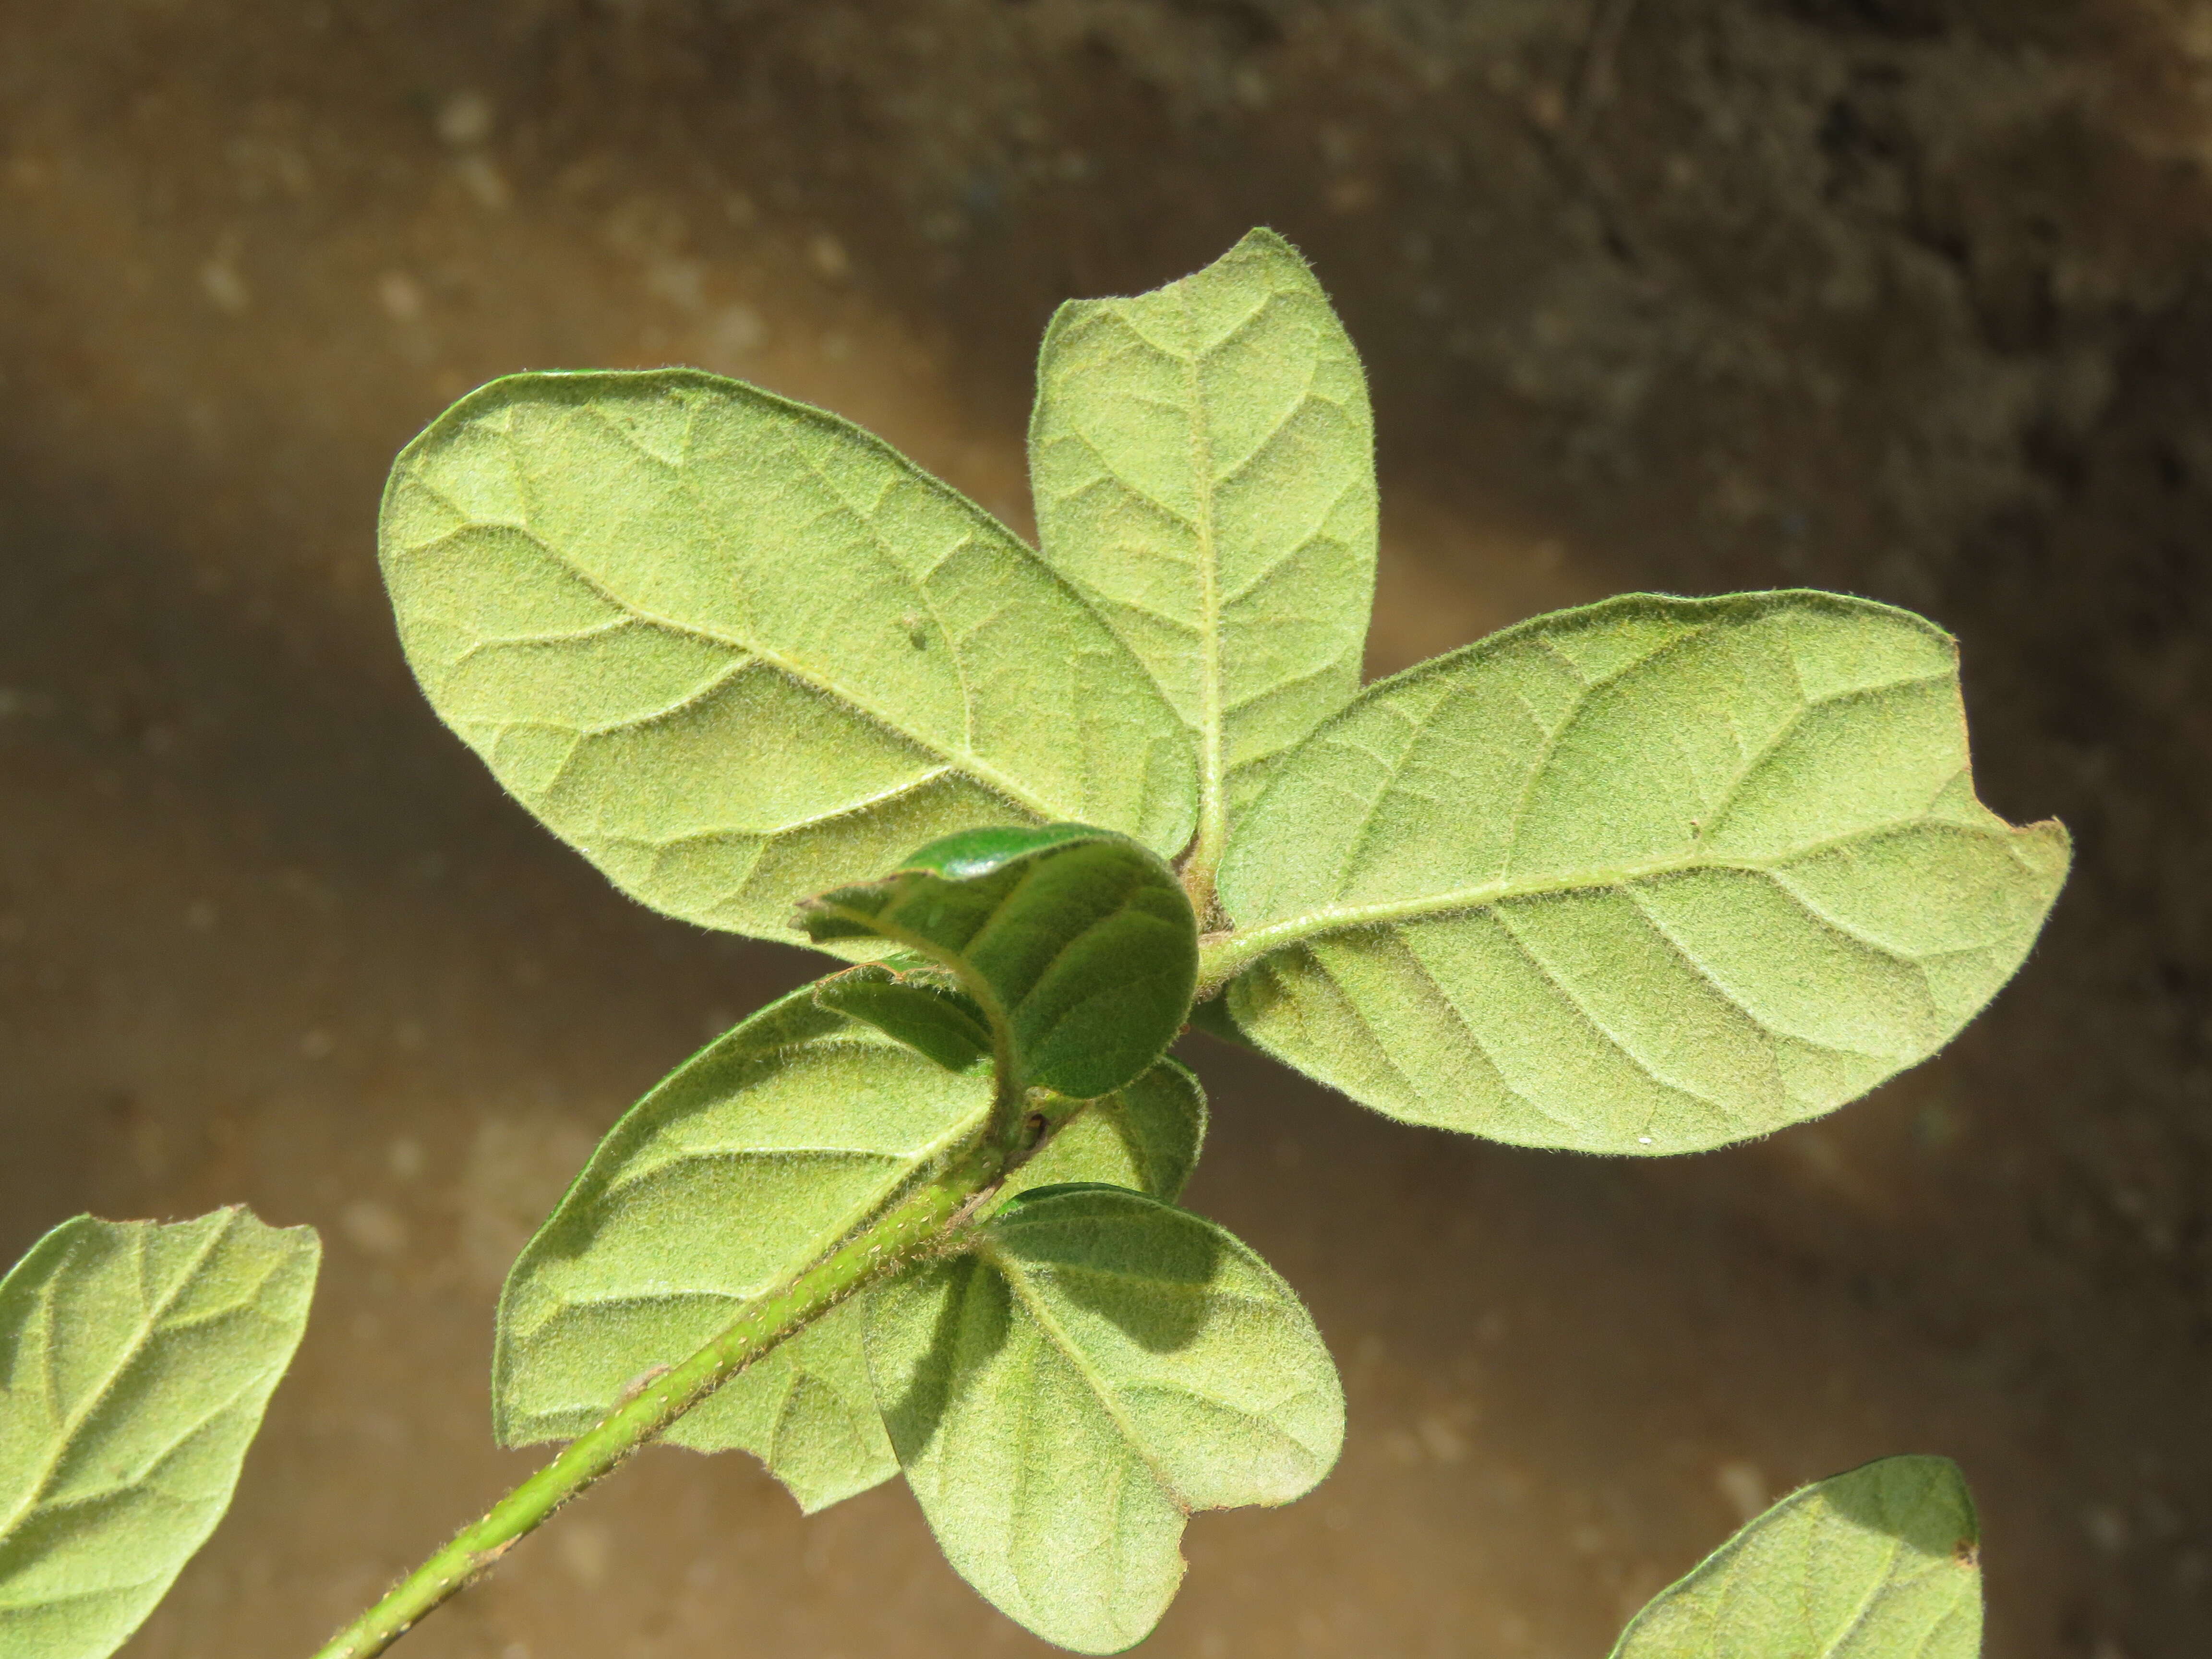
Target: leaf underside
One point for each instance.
(1647, 877)
(737, 651)
(1146, 1136)
(753, 1159)
(1202, 458)
(1080, 943)
(1881, 1563)
(923, 1011)
(135, 1361)
(1064, 1398)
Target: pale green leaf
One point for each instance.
(1076, 945)
(1063, 1398)
(735, 650)
(1146, 1137)
(1202, 459)
(1882, 1563)
(1647, 877)
(753, 1159)
(135, 1360)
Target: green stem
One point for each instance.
(1011, 1092)
(909, 1227)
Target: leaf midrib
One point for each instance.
(73, 1422)
(900, 1174)
(1066, 1347)
(1232, 952)
(1108, 1398)
(958, 757)
(1213, 800)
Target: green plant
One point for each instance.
(1643, 878)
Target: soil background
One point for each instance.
(1908, 298)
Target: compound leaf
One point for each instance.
(135, 1361)
(754, 1158)
(1647, 877)
(1202, 458)
(735, 650)
(1078, 944)
(1063, 1398)
(1882, 1563)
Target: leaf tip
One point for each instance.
(2049, 846)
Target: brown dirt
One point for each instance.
(1906, 297)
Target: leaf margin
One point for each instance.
(1168, 802)
(1644, 1638)
(281, 1298)
(1239, 960)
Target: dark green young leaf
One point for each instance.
(1647, 877)
(1078, 944)
(920, 1009)
(753, 1159)
(735, 650)
(135, 1361)
(1063, 1398)
(1146, 1136)
(1882, 1563)
(1202, 458)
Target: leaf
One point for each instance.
(804, 1410)
(753, 1159)
(1882, 1563)
(1647, 877)
(1063, 1398)
(135, 1360)
(1202, 458)
(940, 1019)
(1212, 1016)
(1145, 1136)
(735, 650)
(1077, 943)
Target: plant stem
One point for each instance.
(907, 1229)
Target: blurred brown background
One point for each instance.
(1905, 297)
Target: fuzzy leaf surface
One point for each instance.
(751, 1160)
(735, 650)
(1647, 877)
(920, 1009)
(1146, 1136)
(1202, 458)
(135, 1361)
(1078, 944)
(1881, 1563)
(755, 1157)
(1062, 1399)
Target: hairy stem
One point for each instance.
(1007, 1104)
(1198, 874)
(910, 1228)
